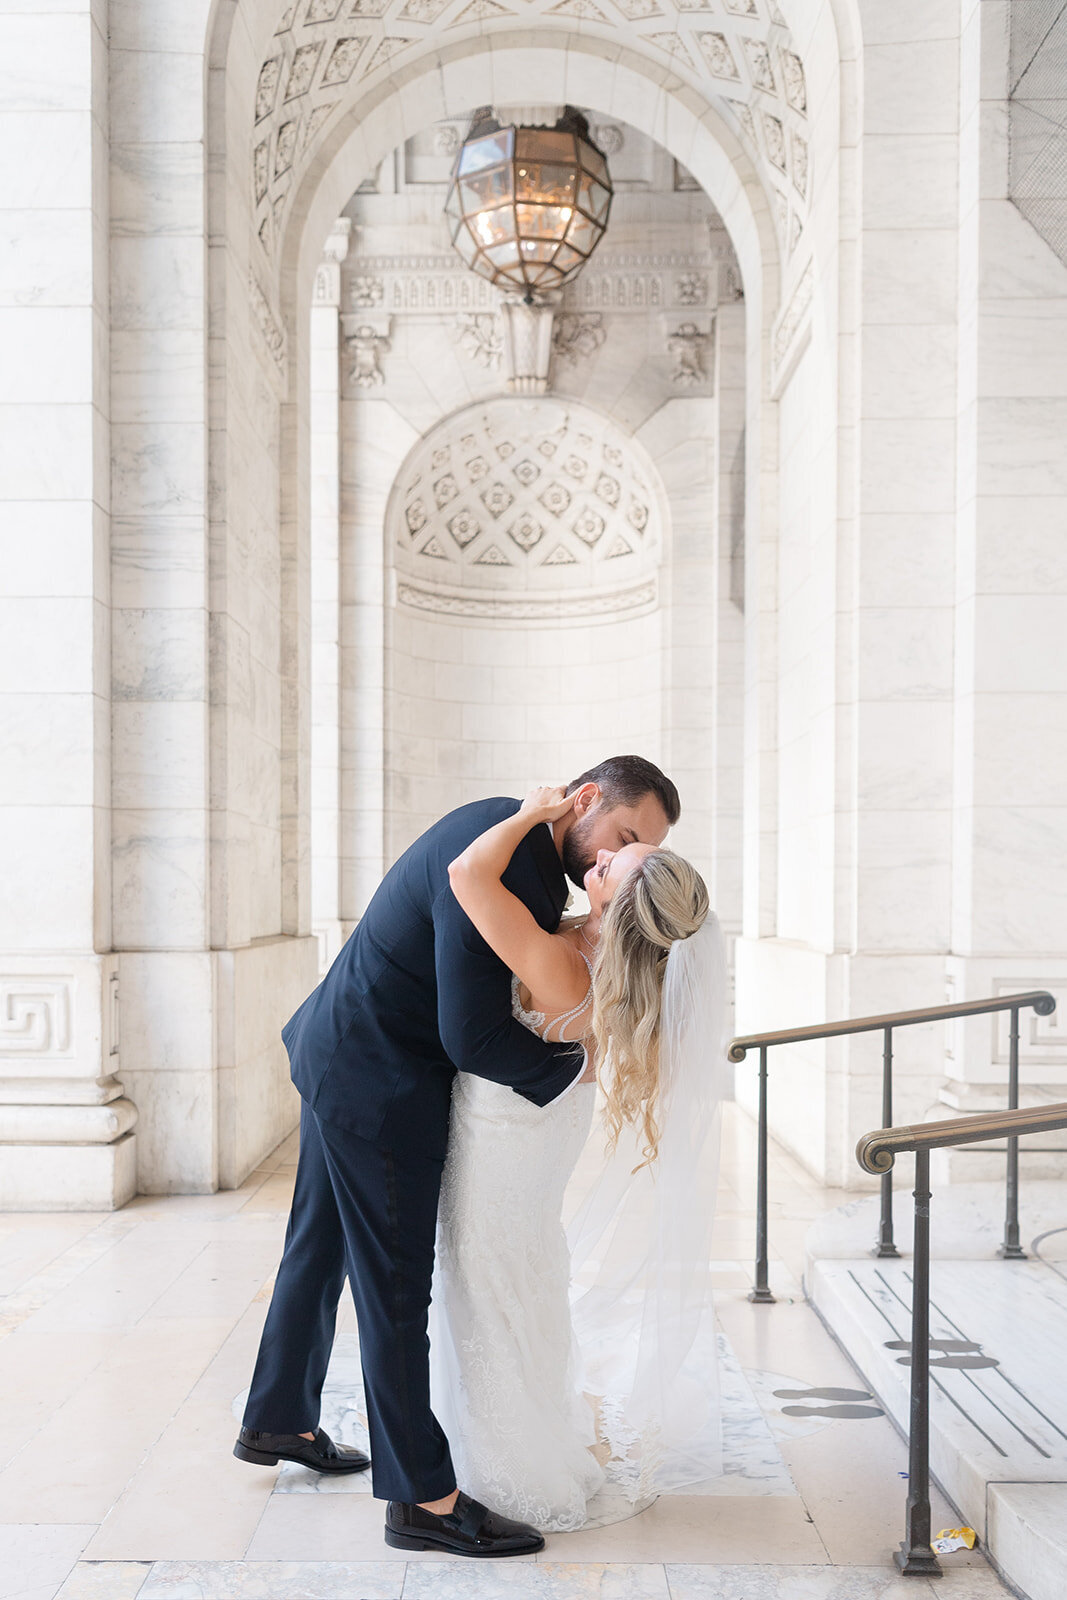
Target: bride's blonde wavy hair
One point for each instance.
(663, 899)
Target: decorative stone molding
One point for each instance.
(577, 336)
(367, 292)
(328, 55)
(791, 331)
(641, 597)
(609, 138)
(479, 335)
(691, 289)
(273, 334)
(35, 1016)
(687, 347)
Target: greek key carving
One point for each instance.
(35, 1016)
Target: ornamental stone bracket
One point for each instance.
(691, 351)
(366, 341)
(527, 343)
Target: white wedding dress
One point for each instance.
(555, 1395)
(504, 1363)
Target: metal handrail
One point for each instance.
(1039, 999)
(876, 1152)
(1043, 1003)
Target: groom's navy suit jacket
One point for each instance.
(417, 993)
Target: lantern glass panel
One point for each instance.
(485, 190)
(593, 198)
(545, 180)
(566, 258)
(538, 249)
(504, 255)
(543, 222)
(593, 161)
(465, 244)
(544, 144)
(581, 233)
(491, 227)
(487, 152)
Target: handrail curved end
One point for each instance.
(1045, 1005)
(873, 1154)
(736, 1052)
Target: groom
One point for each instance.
(414, 994)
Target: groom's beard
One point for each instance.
(578, 852)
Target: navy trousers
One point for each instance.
(371, 1214)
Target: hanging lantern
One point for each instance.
(528, 205)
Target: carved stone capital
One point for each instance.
(327, 289)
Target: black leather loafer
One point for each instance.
(468, 1530)
(320, 1453)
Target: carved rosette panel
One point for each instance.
(527, 500)
(325, 54)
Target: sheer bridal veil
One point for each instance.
(641, 1250)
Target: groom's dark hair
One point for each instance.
(624, 780)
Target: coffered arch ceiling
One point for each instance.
(326, 55)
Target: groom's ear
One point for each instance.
(585, 798)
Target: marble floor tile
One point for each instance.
(105, 1580)
(36, 1558)
(273, 1580)
(696, 1528)
(29, 1243)
(79, 1462)
(38, 1373)
(501, 1580)
(121, 1287)
(793, 1583)
(63, 1270)
(335, 1528)
(190, 1500)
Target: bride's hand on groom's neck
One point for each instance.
(547, 803)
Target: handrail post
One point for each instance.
(1011, 1249)
(761, 1294)
(916, 1558)
(886, 1246)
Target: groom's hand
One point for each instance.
(547, 803)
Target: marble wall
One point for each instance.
(854, 666)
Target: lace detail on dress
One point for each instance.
(538, 1021)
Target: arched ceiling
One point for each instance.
(325, 54)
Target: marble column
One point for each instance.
(325, 595)
(1009, 899)
(66, 1127)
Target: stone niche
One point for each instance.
(522, 509)
(525, 633)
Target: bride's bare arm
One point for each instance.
(547, 964)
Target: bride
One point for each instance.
(558, 1413)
